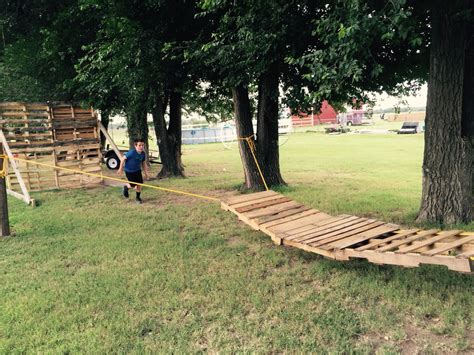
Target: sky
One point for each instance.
(385, 101)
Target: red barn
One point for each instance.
(327, 115)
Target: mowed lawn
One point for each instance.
(90, 272)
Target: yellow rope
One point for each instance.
(251, 145)
(249, 141)
(116, 179)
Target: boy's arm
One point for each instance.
(122, 163)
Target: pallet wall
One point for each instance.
(61, 135)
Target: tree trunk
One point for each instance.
(243, 123)
(104, 119)
(137, 126)
(267, 128)
(468, 101)
(169, 139)
(4, 221)
(447, 164)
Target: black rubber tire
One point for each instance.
(113, 163)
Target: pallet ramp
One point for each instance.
(343, 237)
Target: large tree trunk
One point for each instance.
(447, 164)
(244, 128)
(468, 101)
(267, 127)
(137, 125)
(169, 139)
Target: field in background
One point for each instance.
(90, 272)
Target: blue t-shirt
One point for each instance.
(134, 160)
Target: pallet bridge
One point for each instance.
(343, 237)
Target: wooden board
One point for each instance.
(344, 237)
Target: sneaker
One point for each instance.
(125, 191)
(139, 200)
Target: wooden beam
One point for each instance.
(4, 142)
(111, 141)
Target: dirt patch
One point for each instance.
(421, 340)
(418, 340)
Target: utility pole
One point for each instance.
(4, 223)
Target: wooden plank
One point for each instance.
(264, 204)
(309, 248)
(339, 233)
(463, 248)
(394, 245)
(18, 195)
(377, 242)
(252, 202)
(466, 254)
(249, 197)
(258, 200)
(316, 229)
(325, 229)
(322, 240)
(320, 218)
(76, 142)
(347, 242)
(272, 209)
(110, 140)
(283, 214)
(453, 245)
(308, 219)
(12, 161)
(26, 129)
(427, 242)
(302, 218)
(406, 260)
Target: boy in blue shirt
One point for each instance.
(133, 163)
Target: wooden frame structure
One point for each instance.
(62, 135)
(343, 237)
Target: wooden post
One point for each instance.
(24, 190)
(111, 141)
(4, 223)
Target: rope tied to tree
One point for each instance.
(251, 143)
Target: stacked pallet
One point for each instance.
(58, 135)
(343, 237)
(77, 144)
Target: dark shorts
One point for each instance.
(136, 176)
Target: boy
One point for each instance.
(134, 161)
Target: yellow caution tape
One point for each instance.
(249, 140)
(115, 179)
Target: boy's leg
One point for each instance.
(128, 186)
(125, 191)
(138, 189)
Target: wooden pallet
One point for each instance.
(61, 135)
(343, 237)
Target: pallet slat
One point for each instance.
(428, 242)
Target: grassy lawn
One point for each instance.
(90, 272)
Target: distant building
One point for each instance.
(327, 115)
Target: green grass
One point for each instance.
(89, 272)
